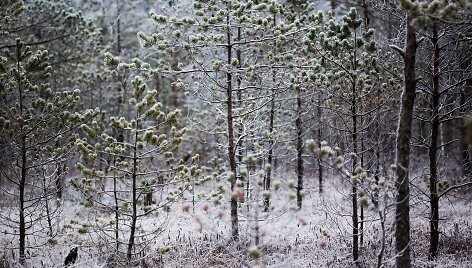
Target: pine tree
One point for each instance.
(349, 60)
(402, 219)
(146, 161)
(224, 56)
(433, 107)
(64, 32)
(37, 127)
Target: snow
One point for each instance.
(316, 236)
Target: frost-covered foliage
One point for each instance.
(255, 133)
(8, 10)
(37, 127)
(224, 47)
(426, 12)
(145, 171)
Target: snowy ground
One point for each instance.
(316, 236)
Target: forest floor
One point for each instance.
(316, 236)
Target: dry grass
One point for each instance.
(317, 236)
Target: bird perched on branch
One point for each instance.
(71, 257)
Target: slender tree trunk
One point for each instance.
(24, 170)
(382, 243)
(355, 217)
(354, 118)
(378, 144)
(230, 129)
(174, 94)
(365, 9)
(239, 95)
(270, 155)
(361, 228)
(464, 147)
(299, 148)
(46, 204)
(402, 219)
(433, 147)
(256, 228)
(61, 167)
(118, 26)
(22, 196)
(134, 197)
(117, 215)
(239, 101)
(121, 88)
(320, 166)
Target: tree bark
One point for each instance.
(464, 147)
(383, 242)
(299, 148)
(239, 95)
(402, 217)
(320, 166)
(24, 169)
(361, 227)
(270, 154)
(117, 213)
(134, 200)
(46, 205)
(61, 168)
(267, 179)
(22, 184)
(355, 217)
(118, 27)
(230, 129)
(354, 118)
(365, 9)
(433, 148)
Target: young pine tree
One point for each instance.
(144, 169)
(36, 127)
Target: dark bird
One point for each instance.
(71, 257)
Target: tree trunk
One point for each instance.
(433, 147)
(382, 243)
(464, 147)
(320, 166)
(117, 214)
(121, 89)
(361, 227)
(267, 180)
(239, 101)
(46, 204)
(22, 195)
(239, 95)
(118, 27)
(365, 9)
(134, 196)
(24, 169)
(230, 129)
(61, 169)
(402, 218)
(299, 148)
(355, 217)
